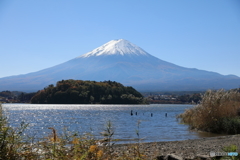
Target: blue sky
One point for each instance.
(38, 34)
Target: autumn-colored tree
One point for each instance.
(85, 92)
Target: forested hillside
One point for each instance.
(87, 92)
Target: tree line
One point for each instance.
(87, 92)
(15, 97)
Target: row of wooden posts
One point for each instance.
(143, 113)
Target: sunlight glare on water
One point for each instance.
(93, 119)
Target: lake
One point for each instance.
(150, 120)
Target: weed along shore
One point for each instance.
(187, 149)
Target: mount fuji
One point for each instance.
(124, 62)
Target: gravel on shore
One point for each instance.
(187, 149)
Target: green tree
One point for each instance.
(78, 91)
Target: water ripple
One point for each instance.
(93, 118)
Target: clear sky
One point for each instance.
(38, 34)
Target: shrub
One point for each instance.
(12, 141)
(217, 112)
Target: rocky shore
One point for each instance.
(187, 149)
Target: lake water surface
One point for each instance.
(93, 119)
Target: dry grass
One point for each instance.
(218, 112)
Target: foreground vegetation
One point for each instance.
(218, 112)
(85, 92)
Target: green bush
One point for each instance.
(12, 144)
(229, 125)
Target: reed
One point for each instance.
(219, 112)
(12, 141)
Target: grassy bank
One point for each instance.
(218, 112)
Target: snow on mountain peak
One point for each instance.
(116, 47)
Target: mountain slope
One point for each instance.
(124, 62)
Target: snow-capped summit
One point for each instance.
(124, 62)
(116, 47)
